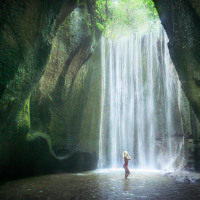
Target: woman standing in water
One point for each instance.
(125, 166)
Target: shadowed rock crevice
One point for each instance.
(45, 72)
(181, 21)
(183, 27)
(57, 108)
(27, 29)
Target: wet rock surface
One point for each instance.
(181, 20)
(28, 28)
(103, 184)
(184, 177)
(27, 31)
(47, 87)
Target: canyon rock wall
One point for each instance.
(49, 87)
(181, 20)
(50, 82)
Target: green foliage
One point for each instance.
(23, 119)
(102, 13)
(100, 26)
(117, 17)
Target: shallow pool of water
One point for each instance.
(100, 184)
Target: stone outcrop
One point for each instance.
(181, 21)
(191, 129)
(48, 84)
(196, 6)
(27, 30)
(58, 104)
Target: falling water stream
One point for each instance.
(140, 103)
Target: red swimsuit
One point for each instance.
(126, 163)
(127, 172)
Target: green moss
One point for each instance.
(23, 119)
(35, 135)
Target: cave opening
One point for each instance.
(83, 81)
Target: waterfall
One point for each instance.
(139, 111)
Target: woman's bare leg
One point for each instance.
(124, 170)
(127, 172)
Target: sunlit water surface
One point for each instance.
(100, 184)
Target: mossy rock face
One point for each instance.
(181, 20)
(27, 29)
(70, 85)
(36, 84)
(59, 113)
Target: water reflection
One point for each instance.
(100, 185)
(127, 184)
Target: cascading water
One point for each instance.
(139, 103)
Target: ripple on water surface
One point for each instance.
(100, 184)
